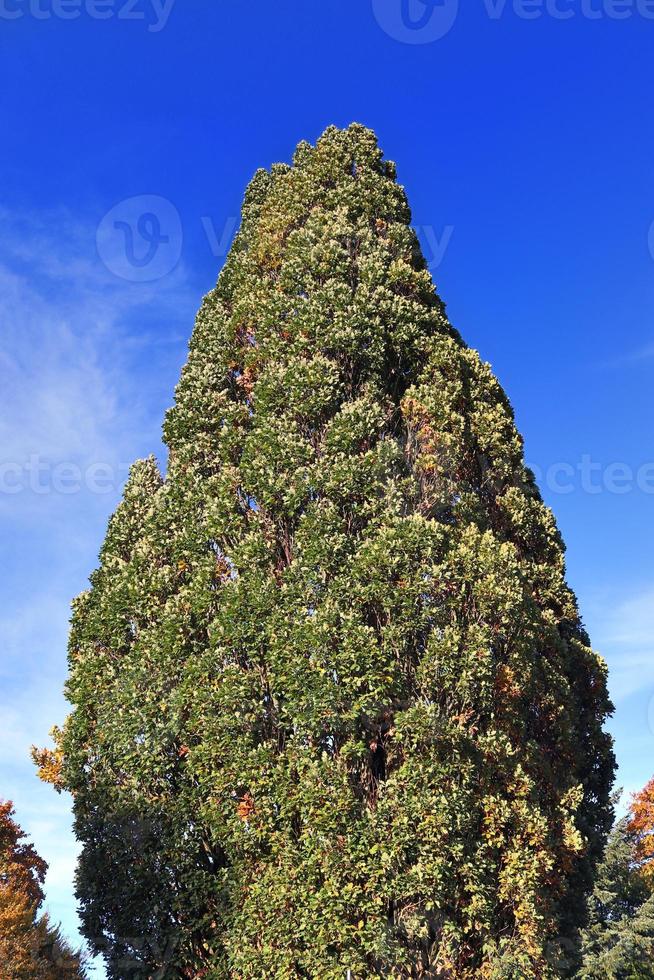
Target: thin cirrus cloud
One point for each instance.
(69, 346)
(641, 355)
(624, 632)
(87, 363)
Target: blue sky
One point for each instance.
(523, 134)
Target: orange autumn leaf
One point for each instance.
(641, 824)
(245, 807)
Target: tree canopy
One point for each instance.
(333, 706)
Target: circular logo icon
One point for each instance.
(140, 239)
(416, 21)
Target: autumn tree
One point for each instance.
(333, 707)
(31, 948)
(641, 826)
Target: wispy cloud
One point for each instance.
(68, 341)
(86, 361)
(641, 355)
(625, 633)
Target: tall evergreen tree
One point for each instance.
(331, 663)
(618, 943)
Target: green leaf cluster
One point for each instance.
(618, 941)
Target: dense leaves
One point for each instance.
(618, 943)
(30, 947)
(332, 705)
(641, 826)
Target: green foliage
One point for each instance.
(332, 704)
(618, 943)
(57, 959)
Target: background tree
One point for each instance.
(30, 947)
(332, 658)
(618, 943)
(641, 826)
